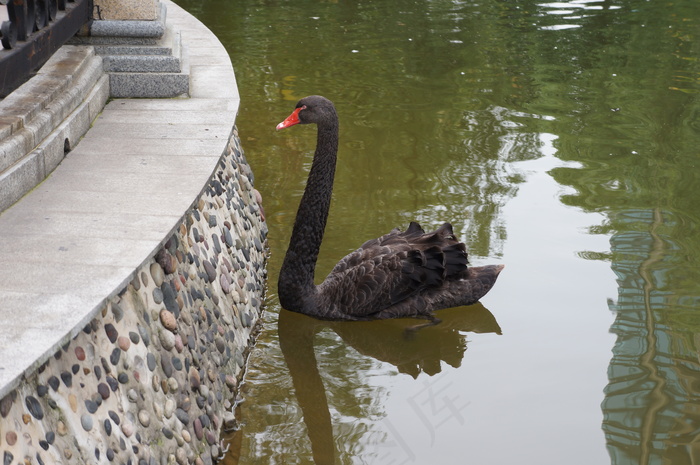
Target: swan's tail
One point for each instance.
(469, 290)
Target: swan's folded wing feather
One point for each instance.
(389, 270)
(395, 240)
(364, 287)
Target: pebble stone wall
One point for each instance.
(153, 378)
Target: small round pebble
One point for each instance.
(168, 320)
(42, 390)
(195, 380)
(157, 274)
(178, 458)
(91, 406)
(67, 379)
(182, 416)
(167, 339)
(103, 390)
(145, 336)
(211, 272)
(86, 421)
(124, 343)
(115, 356)
(62, 428)
(112, 333)
(167, 365)
(151, 361)
(198, 430)
(157, 295)
(113, 415)
(113, 384)
(34, 407)
(225, 284)
(173, 384)
(144, 418)
(127, 428)
(117, 312)
(53, 382)
(169, 408)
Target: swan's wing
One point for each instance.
(372, 248)
(393, 268)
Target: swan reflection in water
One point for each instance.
(390, 341)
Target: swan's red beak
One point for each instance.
(291, 119)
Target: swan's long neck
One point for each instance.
(296, 281)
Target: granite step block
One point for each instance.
(148, 85)
(133, 50)
(169, 44)
(141, 64)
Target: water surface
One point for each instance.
(561, 139)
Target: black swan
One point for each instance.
(401, 274)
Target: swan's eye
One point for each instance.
(303, 107)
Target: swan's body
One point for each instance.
(401, 274)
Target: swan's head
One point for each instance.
(312, 109)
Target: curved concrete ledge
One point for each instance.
(132, 278)
(75, 240)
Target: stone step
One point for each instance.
(51, 82)
(141, 64)
(141, 67)
(125, 32)
(144, 59)
(168, 44)
(163, 57)
(151, 84)
(44, 118)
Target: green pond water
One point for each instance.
(561, 139)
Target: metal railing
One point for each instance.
(31, 31)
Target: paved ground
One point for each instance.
(74, 240)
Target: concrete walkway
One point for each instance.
(79, 236)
